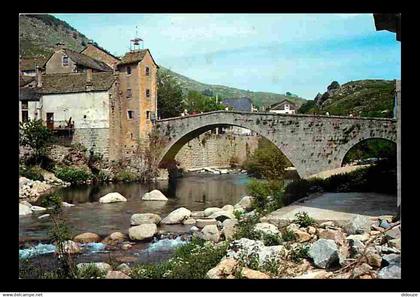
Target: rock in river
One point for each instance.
(177, 216)
(112, 197)
(24, 210)
(87, 237)
(210, 232)
(154, 195)
(145, 218)
(141, 232)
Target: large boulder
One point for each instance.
(200, 223)
(390, 272)
(114, 238)
(87, 237)
(324, 253)
(358, 225)
(116, 275)
(112, 198)
(336, 235)
(154, 195)
(228, 208)
(177, 216)
(391, 259)
(225, 268)
(394, 233)
(144, 218)
(142, 232)
(211, 233)
(222, 215)
(229, 228)
(101, 266)
(210, 210)
(24, 210)
(302, 236)
(253, 274)
(266, 229)
(197, 214)
(245, 203)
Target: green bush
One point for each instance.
(126, 176)
(245, 227)
(303, 219)
(90, 272)
(267, 161)
(33, 173)
(271, 239)
(268, 195)
(288, 235)
(35, 135)
(72, 174)
(190, 261)
(299, 253)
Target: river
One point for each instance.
(195, 192)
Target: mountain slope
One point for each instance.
(258, 98)
(367, 98)
(38, 35)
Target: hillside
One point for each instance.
(367, 98)
(38, 35)
(258, 98)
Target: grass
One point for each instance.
(72, 174)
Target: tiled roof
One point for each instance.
(135, 57)
(239, 104)
(86, 61)
(282, 101)
(26, 64)
(75, 82)
(24, 80)
(29, 94)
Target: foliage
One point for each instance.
(309, 107)
(271, 239)
(303, 219)
(288, 235)
(195, 102)
(268, 194)
(35, 135)
(379, 178)
(170, 96)
(126, 176)
(299, 253)
(72, 174)
(267, 161)
(53, 202)
(190, 261)
(371, 148)
(245, 227)
(33, 172)
(90, 271)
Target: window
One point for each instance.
(148, 115)
(128, 70)
(24, 104)
(147, 71)
(65, 61)
(128, 93)
(130, 114)
(147, 93)
(25, 116)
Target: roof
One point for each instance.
(86, 61)
(282, 101)
(135, 57)
(24, 80)
(26, 64)
(61, 83)
(29, 94)
(101, 49)
(239, 104)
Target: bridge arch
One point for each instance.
(171, 150)
(366, 140)
(312, 144)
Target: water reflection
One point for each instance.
(192, 192)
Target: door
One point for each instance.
(50, 120)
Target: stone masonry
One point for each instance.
(312, 143)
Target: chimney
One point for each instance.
(89, 79)
(38, 77)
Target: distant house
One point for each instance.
(284, 107)
(28, 65)
(239, 104)
(98, 53)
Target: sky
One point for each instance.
(297, 53)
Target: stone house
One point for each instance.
(84, 100)
(285, 107)
(98, 53)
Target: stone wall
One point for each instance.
(217, 150)
(93, 138)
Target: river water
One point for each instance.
(195, 192)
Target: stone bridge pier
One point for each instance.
(312, 143)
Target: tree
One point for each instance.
(35, 135)
(170, 97)
(197, 102)
(267, 161)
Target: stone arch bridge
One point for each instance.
(312, 143)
